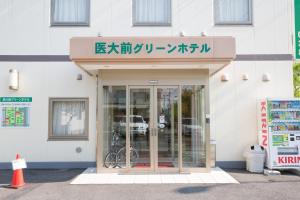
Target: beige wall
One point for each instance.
(26, 24)
(25, 30)
(41, 81)
(233, 103)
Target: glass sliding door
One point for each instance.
(114, 126)
(139, 127)
(193, 127)
(154, 128)
(167, 127)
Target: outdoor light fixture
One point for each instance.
(181, 34)
(79, 77)
(13, 79)
(203, 33)
(99, 34)
(266, 77)
(245, 77)
(225, 77)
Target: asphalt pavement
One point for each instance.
(55, 184)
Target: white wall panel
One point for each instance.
(233, 103)
(25, 25)
(41, 81)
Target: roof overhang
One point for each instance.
(97, 53)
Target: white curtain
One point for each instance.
(152, 11)
(68, 118)
(236, 11)
(70, 11)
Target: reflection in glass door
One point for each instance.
(167, 127)
(139, 127)
(153, 137)
(193, 126)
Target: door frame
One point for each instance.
(153, 131)
(155, 128)
(151, 146)
(141, 81)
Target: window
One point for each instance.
(151, 12)
(114, 125)
(70, 12)
(193, 126)
(233, 12)
(68, 119)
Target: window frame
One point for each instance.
(53, 23)
(249, 22)
(51, 136)
(145, 24)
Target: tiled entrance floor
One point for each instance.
(89, 176)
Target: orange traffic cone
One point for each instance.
(17, 179)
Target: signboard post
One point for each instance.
(297, 28)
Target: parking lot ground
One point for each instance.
(55, 184)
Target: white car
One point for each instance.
(190, 126)
(137, 124)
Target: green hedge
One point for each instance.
(296, 78)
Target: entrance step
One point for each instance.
(216, 175)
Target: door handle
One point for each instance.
(153, 131)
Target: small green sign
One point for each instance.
(14, 111)
(297, 28)
(15, 99)
(15, 117)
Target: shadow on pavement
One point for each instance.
(195, 189)
(42, 176)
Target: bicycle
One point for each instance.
(116, 157)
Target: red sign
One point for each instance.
(264, 126)
(289, 160)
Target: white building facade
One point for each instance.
(165, 112)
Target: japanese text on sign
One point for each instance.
(130, 48)
(19, 164)
(15, 99)
(264, 128)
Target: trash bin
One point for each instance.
(255, 158)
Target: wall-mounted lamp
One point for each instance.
(79, 77)
(245, 77)
(13, 79)
(99, 34)
(266, 77)
(181, 33)
(203, 33)
(225, 77)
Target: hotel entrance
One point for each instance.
(152, 101)
(154, 128)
